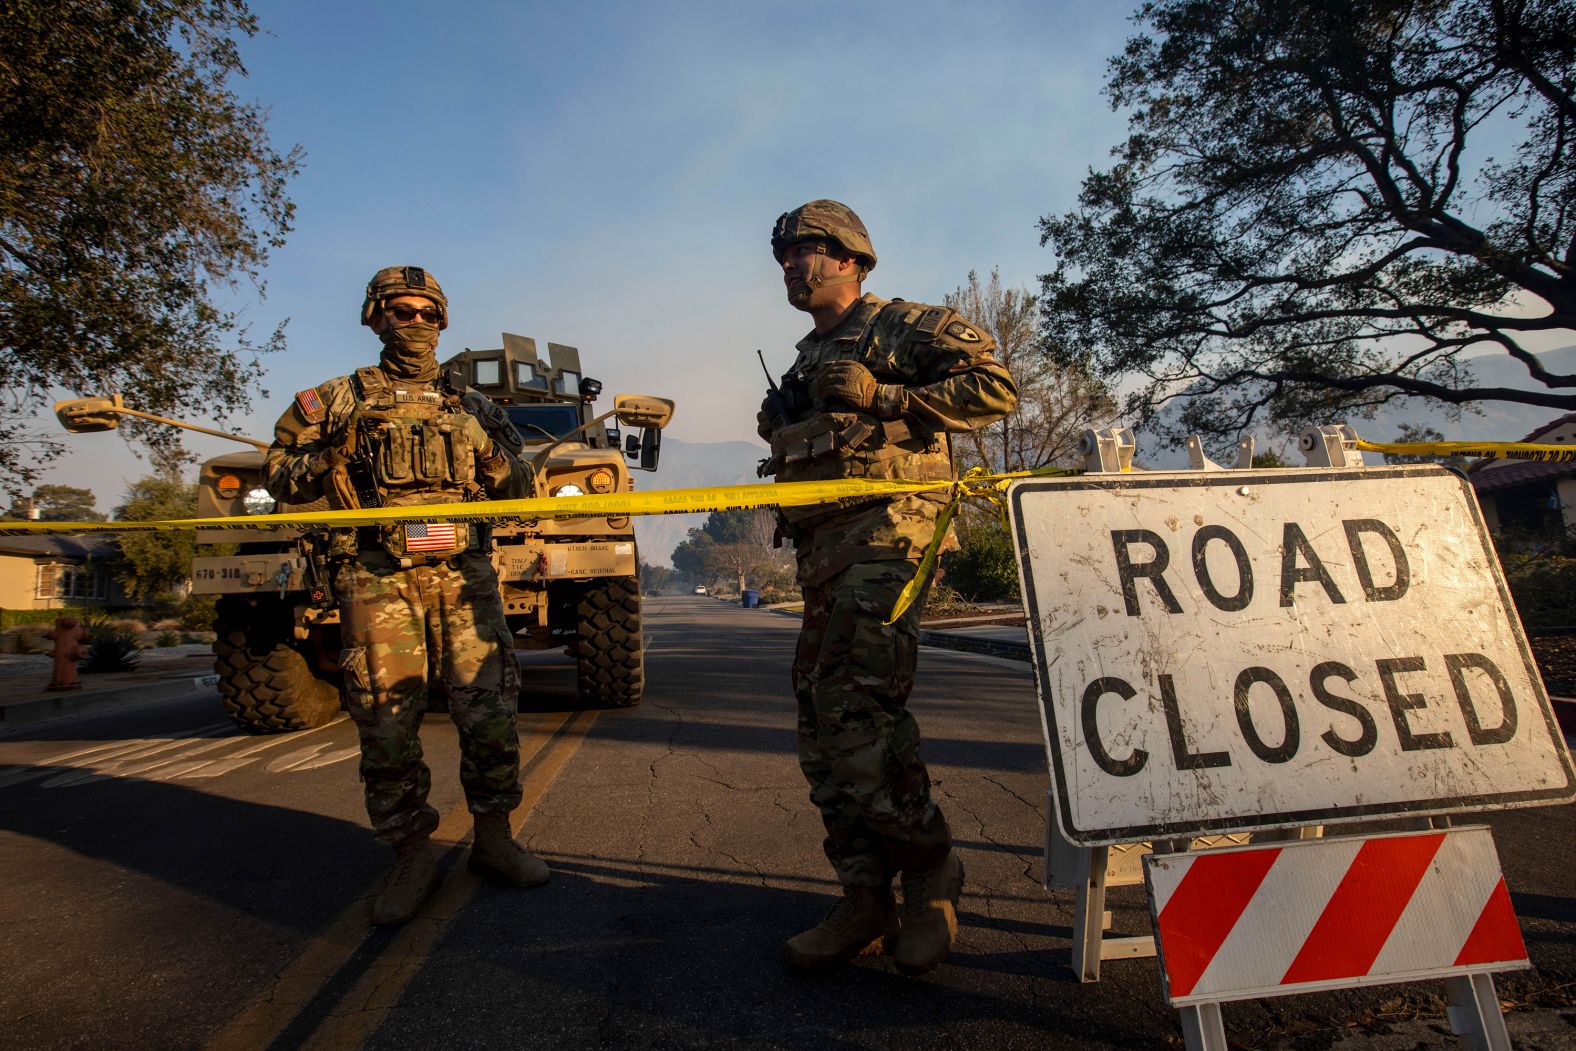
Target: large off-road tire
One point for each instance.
(267, 684)
(611, 651)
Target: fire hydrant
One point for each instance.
(68, 636)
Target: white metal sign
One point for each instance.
(1225, 651)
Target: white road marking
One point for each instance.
(175, 758)
(310, 758)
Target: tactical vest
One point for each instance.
(419, 438)
(835, 445)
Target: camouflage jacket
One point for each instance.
(950, 381)
(420, 443)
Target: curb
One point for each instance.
(1013, 651)
(1564, 712)
(25, 713)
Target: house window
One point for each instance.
(72, 582)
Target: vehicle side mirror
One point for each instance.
(86, 415)
(645, 450)
(642, 410)
(650, 448)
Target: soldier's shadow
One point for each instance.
(285, 866)
(691, 956)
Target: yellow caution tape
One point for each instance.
(977, 484)
(611, 505)
(1480, 450)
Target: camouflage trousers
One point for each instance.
(399, 626)
(858, 742)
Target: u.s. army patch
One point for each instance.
(958, 330)
(311, 405)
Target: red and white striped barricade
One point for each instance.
(1245, 922)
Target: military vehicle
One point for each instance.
(571, 583)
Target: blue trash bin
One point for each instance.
(751, 598)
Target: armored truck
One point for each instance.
(565, 583)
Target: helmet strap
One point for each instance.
(815, 280)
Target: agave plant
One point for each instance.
(111, 649)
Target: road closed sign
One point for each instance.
(1234, 650)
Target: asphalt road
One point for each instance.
(166, 882)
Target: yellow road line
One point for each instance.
(547, 748)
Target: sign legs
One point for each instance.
(1203, 1028)
(1473, 1010)
(1089, 871)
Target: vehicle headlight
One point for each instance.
(569, 489)
(601, 480)
(258, 502)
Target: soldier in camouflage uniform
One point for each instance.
(877, 388)
(416, 597)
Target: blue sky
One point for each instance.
(606, 174)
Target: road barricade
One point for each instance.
(1246, 922)
(1256, 654)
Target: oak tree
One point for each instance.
(1321, 205)
(137, 193)
(154, 563)
(1056, 402)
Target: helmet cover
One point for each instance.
(824, 220)
(394, 281)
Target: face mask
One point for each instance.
(408, 351)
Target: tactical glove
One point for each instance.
(340, 443)
(852, 384)
(763, 422)
(493, 420)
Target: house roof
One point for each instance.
(75, 547)
(1492, 475)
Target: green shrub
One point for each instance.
(167, 639)
(28, 638)
(197, 612)
(10, 618)
(110, 650)
(986, 569)
(1544, 589)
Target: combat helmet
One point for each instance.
(394, 281)
(824, 220)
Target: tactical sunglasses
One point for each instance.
(405, 314)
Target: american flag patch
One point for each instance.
(430, 536)
(311, 405)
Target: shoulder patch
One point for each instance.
(311, 405)
(931, 321)
(958, 330)
(372, 384)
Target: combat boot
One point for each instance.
(930, 917)
(864, 919)
(495, 853)
(413, 878)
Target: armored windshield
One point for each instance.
(537, 422)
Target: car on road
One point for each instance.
(700, 589)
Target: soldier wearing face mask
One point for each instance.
(416, 596)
